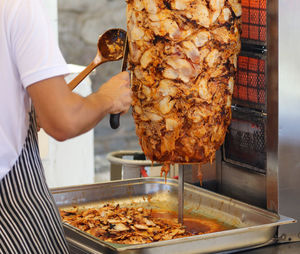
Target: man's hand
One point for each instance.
(117, 89)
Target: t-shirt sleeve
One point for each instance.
(35, 48)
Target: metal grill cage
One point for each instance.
(245, 142)
(250, 86)
(254, 21)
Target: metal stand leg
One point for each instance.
(180, 193)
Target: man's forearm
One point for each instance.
(63, 114)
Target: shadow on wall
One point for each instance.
(80, 22)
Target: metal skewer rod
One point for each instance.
(180, 193)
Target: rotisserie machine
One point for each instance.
(259, 162)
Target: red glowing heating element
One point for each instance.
(254, 20)
(250, 85)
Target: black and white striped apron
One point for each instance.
(29, 219)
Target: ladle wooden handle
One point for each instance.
(81, 76)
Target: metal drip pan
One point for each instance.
(254, 226)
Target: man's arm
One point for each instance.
(64, 114)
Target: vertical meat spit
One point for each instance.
(181, 193)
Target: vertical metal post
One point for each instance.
(180, 193)
(272, 107)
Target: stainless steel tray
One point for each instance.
(255, 226)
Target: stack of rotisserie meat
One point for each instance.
(183, 59)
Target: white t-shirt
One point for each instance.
(28, 53)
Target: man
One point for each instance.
(32, 73)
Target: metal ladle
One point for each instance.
(110, 48)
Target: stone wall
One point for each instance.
(80, 22)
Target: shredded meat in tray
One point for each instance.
(112, 223)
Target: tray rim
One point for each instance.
(282, 221)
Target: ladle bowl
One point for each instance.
(110, 48)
